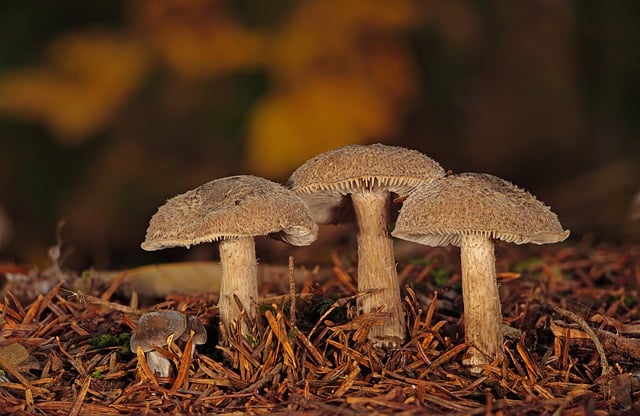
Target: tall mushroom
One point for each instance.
(470, 210)
(361, 179)
(233, 210)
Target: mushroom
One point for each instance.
(469, 210)
(154, 330)
(233, 210)
(199, 332)
(361, 179)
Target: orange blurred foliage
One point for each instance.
(88, 77)
(335, 77)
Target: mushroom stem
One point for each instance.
(239, 277)
(482, 314)
(158, 363)
(376, 266)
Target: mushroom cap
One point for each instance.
(325, 180)
(153, 329)
(199, 332)
(231, 207)
(440, 212)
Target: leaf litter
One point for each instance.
(571, 322)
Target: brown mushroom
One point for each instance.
(362, 178)
(154, 330)
(470, 210)
(233, 211)
(199, 332)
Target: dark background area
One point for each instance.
(108, 108)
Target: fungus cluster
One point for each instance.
(357, 183)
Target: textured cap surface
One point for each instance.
(153, 329)
(199, 331)
(324, 180)
(231, 207)
(441, 211)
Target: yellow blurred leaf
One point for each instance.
(322, 33)
(88, 77)
(198, 38)
(199, 52)
(324, 112)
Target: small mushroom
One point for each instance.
(154, 330)
(469, 210)
(233, 210)
(362, 178)
(199, 332)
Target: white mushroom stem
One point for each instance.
(239, 277)
(376, 266)
(158, 363)
(482, 312)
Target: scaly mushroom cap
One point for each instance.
(232, 207)
(153, 329)
(440, 212)
(325, 180)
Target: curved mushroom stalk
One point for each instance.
(376, 266)
(482, 310)
(239, 271)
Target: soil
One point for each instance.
(571, 316)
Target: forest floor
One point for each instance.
(571, 315)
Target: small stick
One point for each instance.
(586, 328)
(292, 292)
(264, 380)
(115, 284)
(77, 405)
(185, 362)
(144, 369)
(338, 303)
(84, 299)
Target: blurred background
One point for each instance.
(108, 108)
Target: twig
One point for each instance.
(338, 303)
(77, 405)
(115, 284)
(144, 369)
(185, 362)
(264, 380)
(606, 369)
(84, 299)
